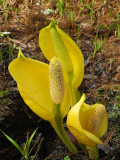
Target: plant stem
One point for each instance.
(73, 92)
(57, 124)
(93, 152)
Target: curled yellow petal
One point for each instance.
(81, 113)
(32, 78)
(38, 109)
(46, 44)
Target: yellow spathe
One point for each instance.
(59, 44)
(78, 120)
(32, 79)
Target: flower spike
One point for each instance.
(56, 81)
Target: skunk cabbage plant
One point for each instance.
(50, 90)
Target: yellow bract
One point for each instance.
(54, 42)
(32, 78)
(79, 118)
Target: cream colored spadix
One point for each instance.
(56, 81)
(96, 119)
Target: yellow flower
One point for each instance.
(54, 42)
(87, 123)
(32, 79)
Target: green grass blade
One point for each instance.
(13, 142)
(30, 139)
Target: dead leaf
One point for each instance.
(110, 135)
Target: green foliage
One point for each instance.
(98, 43)
(101, 26)
(34, 57)
(118, 100)
(118, 96)
(4, 9)
(111, 26)
(116, 137)
(10, 48)
(1, 34)
(60, 6)
(91, 16)
(105, 1)
(5, 101)
(25, 3)
(13, 142)
(25, 150)
(50, 10)
(115, 25)
(93, 1)
(110, 12)
(91, 11)
(71, 15)
(82, 1)
(114, 115)
(115, 112)
(1, 3)
(118, 24)
(66, 158)
(3, 93)
(85, 6)
(4, 96)
(11, 8)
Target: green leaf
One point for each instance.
(14, 143)
(30, 139)
(31, 157)
(66, 158)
